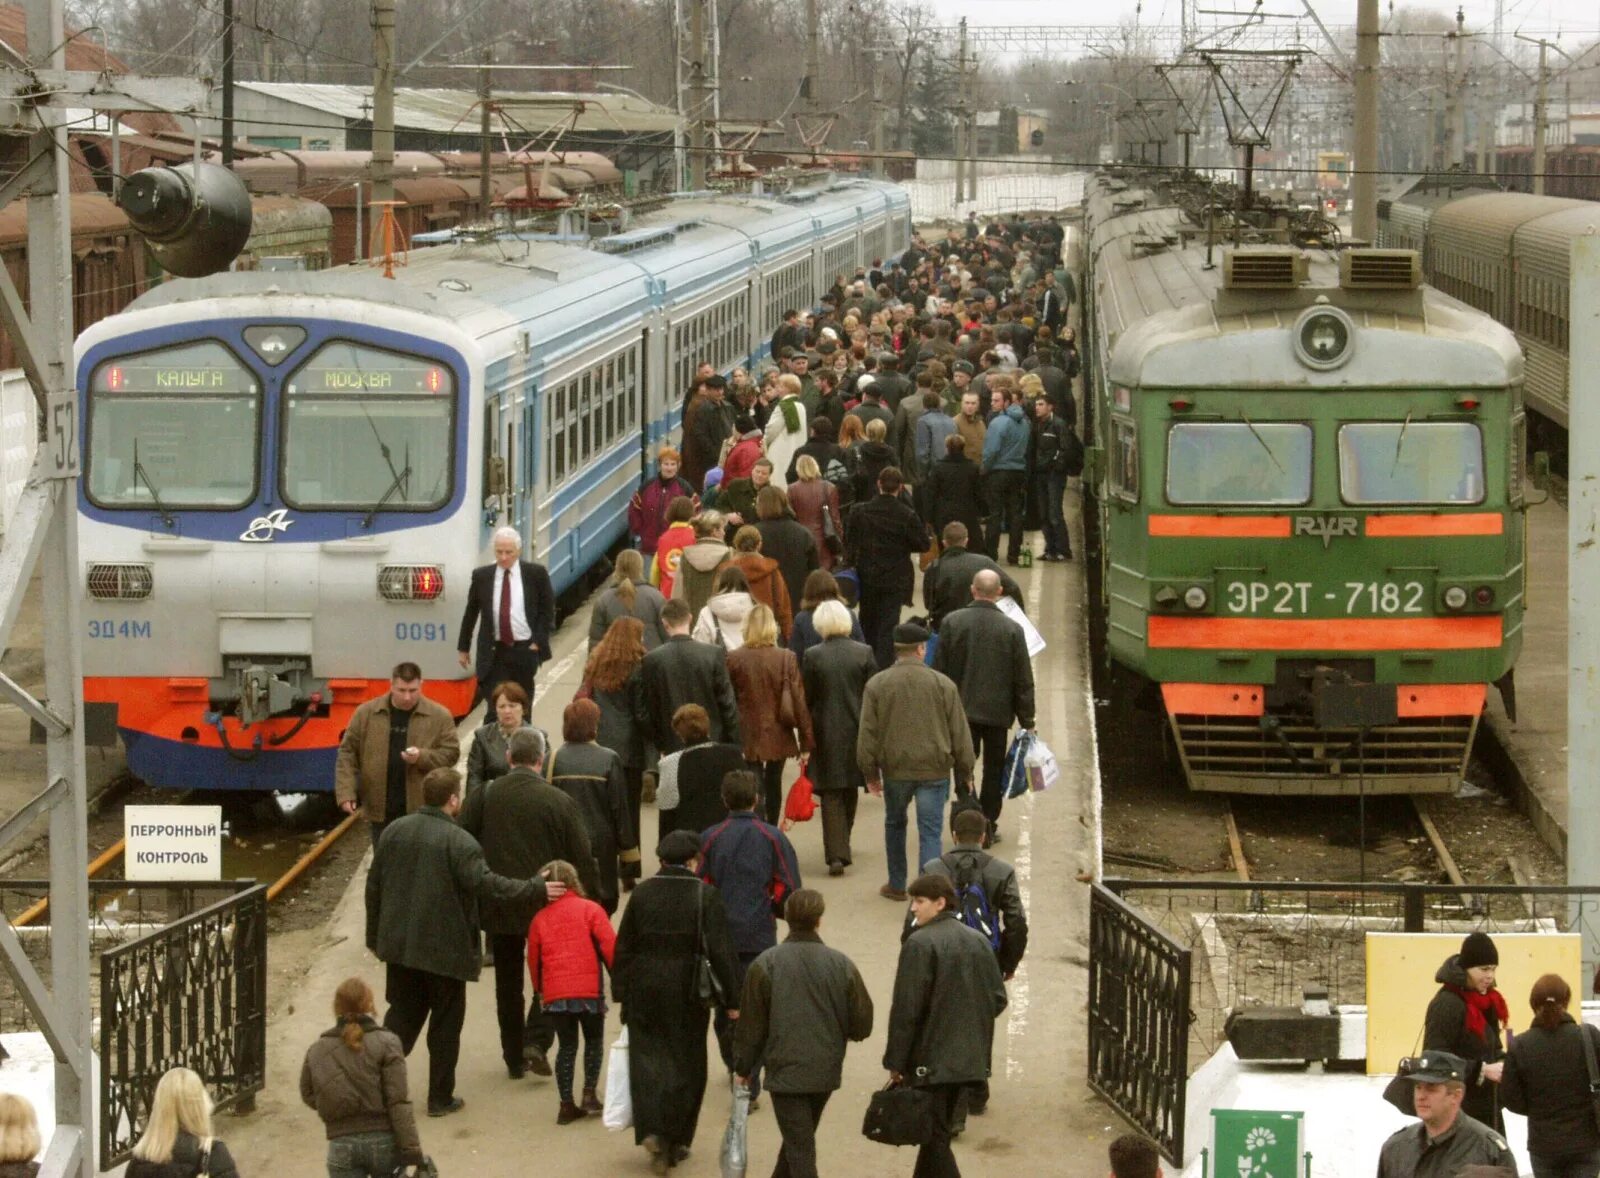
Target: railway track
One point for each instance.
(1421, 811)
(286, 880)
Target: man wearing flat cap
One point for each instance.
(1446, 1141)
(913, 735)
(670, 922)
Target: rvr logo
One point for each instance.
(1326, 526)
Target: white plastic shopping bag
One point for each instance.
(735, 1148)
(619, 1098)
(1043, 771)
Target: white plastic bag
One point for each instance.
(1043, 771)
(735, 1147)
(619, 1098)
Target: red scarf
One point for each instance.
(1477, 1004)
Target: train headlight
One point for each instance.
(1195, 597)
(1455, 597)
(410, 582)
(1322, 338)
(120, 582)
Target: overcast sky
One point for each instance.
(1579, 19)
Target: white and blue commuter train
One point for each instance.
(287, 477)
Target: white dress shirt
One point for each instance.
(520, 630)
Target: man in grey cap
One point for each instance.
(913, 735)
(1445, 1142)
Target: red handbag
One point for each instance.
(802, 802)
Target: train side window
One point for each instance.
(555, 419)
(1125, 458)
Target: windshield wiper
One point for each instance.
(139, 472)
(1255, 433)
(1399, 442)
(400, 477)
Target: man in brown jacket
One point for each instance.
(971, 426)
(393, 742)
(913, 735)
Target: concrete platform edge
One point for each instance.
(1500, 747)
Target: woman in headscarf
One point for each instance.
(671, 921)
(1465, 1018)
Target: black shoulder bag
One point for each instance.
(1594, 1069)
(900, 1115)
(707, 986)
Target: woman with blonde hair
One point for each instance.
(178, 1139)
(354, 1076)
(628, 595)
(815, 502)
(19, 1137)
(772, 705)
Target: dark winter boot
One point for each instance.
(569, 1113)
(591, 1103)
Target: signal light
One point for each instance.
(408, 582)
(1467, 402)
(1455, 597)
(195, 217)
(1483, 595)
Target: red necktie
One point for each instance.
(505, 609)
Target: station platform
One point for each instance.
(1042, 1120)
(1533, 749)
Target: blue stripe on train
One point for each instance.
(161, 762)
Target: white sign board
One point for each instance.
(1012, 610)
(167, 843)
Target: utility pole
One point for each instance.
(961, 112)
(227, 83)
(969, 99)
(1455, 108)
(1541, 119)
(485, 134)
(811, 85)
(1363, 174)
(876, 139)
(382, 111)
(699, 96)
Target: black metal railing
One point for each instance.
(1238, 945)
(189, 994)
(1138, 1019)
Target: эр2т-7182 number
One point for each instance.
(1296, 598)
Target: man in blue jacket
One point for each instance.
(753, 864)
(1005, 473)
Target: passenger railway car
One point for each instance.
(1308, 482)
(288, 477)
(1507, 254)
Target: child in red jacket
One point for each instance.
(567, 941)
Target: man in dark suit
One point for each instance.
(518, 614)
(682, 671)
(884, 533)
(986, 654)
(947, 583)
(1052, 304)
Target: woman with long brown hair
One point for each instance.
(354, 1076)
(613, 681)
(1546, 1079)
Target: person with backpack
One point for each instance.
(988, 901)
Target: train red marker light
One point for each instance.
(114, 379)
(1483, 595)
(435, 380)
(427, 583)
(1468, 403)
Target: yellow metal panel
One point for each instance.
(1400, 969)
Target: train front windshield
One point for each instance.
(141, 410)
(363, 427)
(1411, 462)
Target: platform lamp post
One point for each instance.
(1583, 612)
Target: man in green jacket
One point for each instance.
(423, 888)
(802, 1004)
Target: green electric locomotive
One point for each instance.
(1309, 479)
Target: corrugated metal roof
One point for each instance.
(455, 110)
(1544, 245)
(1485, 224)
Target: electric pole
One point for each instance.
(961, 112)
(485, 135)
(969, 104)
(382, 110)
(1455, 116)
(1363, 174)
(227, 83)
(810, 87)
(699, 96)
(876, 139)
(1541, 118)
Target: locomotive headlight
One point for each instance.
(120, 582)
(410, 582)
(1322, 337)
(1195, 597)
(1455, 597)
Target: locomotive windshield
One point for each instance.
(141, 410)
(1239, 464)
(367, 429)
(1411, 462)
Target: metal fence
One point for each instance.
(192, 994)
(1035, 191)
(181, 973)
(1172, 959)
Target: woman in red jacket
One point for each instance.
(567, 941)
